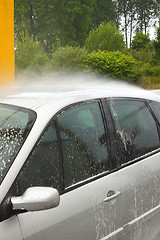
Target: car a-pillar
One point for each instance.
(7, 68)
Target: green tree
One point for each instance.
(67, 21)
(145, 10)
(140, 41)
(135, 16)
(29, 54)
(157, 43)
(105, 37)
(126, 10)
(103, 11)
(22, 16)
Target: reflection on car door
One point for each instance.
(139, 146)
(77, 164)
(10, 229)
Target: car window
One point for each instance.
(135, 128)
(156, 108)
(15, 124)
(83, 143)
(43, 165)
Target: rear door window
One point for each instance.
(135, 127)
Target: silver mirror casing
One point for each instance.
(36, 199)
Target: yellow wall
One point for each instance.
(6, 42)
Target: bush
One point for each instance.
(29, 54)
(152, 71)
(114, 64)
(105, 37)
(141, 55)
(140, 41)
(67, 58)
(150, 82)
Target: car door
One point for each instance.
(73, 155)
(138, 140)
(10, 229)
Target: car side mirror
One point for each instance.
(36, 199)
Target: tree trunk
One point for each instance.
(31, 18)
(159, 12)
(117, 14)
(126, 30)
(145, 25)
(131, 29)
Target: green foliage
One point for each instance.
(135, 15)
(67, 58)
(105, 37)
(149, 82)
(141, 55)
(157, 44)
(21, 13)
(145, 11)
(114, 64)
(70, 20)
(29, 54)
(140, 41)
(48, 20)
(103, 11)
(152, 70)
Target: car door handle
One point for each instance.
(111, 196)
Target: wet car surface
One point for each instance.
(80, 165)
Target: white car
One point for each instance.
(80, 165)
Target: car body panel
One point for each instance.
(10, 229)
(35, 100)
(142, 197)
(82, 212)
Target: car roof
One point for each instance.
(38, 99)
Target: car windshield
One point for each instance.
(15, 124)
